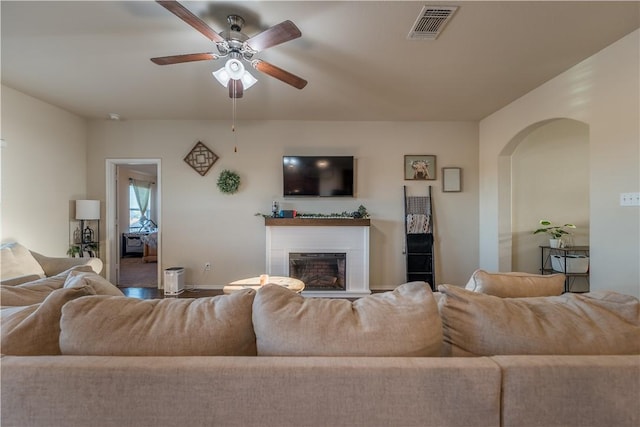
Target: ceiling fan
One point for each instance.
(238, 47)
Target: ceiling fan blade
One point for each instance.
(189, 57)
(235, 88)
(279, 73)
(283, 32)
(183, 13)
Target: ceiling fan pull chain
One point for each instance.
(233, 126)
(233, 108)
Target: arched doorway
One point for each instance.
(544, 174)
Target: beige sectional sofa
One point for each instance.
(274, 358)
(20, 265)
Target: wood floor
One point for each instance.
(155, 293)
(135, 272)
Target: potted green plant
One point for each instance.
(555, 231)
(73, 251)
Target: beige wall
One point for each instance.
(44, 168)
(603, 92)
(200, 224)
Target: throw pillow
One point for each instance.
(99, 284)
(34, 329)
(36, 291)
(404, 322)
(16, 261)
(570, 324)
(516, 285)
(121, 326)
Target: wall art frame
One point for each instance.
(201, 158)
(421, 167)
(451, 180)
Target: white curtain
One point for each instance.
(142, 190)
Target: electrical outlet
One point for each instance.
(629, 199)
(207, 266)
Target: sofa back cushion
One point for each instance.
(34, 329)
(404, 322)
(36, 291)
(571, 324)
(17, 261)
(122, 326)
(516, 285)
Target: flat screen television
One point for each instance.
(318, 176)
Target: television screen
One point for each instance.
(320, 176)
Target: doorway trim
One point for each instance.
(112, 256)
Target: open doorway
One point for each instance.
(543, 173)
(133, 222)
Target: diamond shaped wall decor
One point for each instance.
(200, 158)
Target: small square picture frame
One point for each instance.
(451, 180)
(419, 167)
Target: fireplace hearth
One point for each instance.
(319, 271)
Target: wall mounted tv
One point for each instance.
(318, 176)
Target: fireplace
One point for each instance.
(319, 271)
(344, 241)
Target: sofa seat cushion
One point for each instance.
(17, 261)
(94, 391)
(121, 326)
(516, 285)
(599, 323)
(404, 322)
(570, 390)
(99, 284)
(34, 329)
(36, 291)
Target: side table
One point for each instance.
(564, 255)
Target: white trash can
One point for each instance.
(174, 281)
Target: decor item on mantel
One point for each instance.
(361, 213)
(228, 182)
(555, 231)
(201, 158)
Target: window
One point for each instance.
(134, 210)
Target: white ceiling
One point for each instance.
(92, 57)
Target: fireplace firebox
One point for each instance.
(319, 271)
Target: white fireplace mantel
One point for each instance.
(351, 236)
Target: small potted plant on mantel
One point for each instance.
(555, 231)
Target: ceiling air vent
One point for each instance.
(431, 22)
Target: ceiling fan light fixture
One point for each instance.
(222, 76)
(234, 68)
(248, 80)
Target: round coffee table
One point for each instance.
(290, 283)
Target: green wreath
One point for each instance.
(228, 182)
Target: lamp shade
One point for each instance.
(87, 209)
